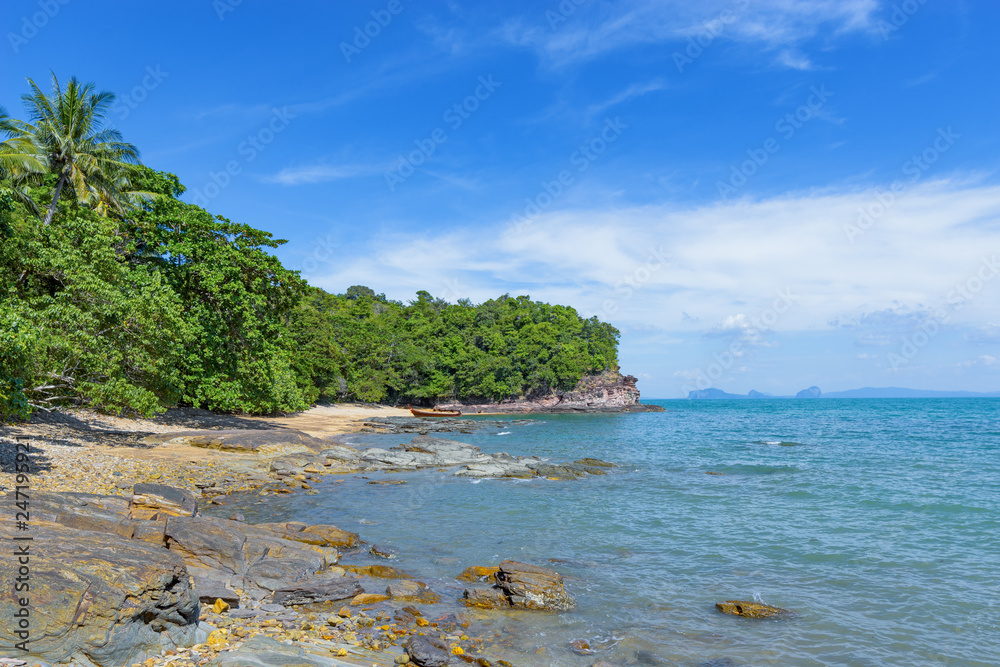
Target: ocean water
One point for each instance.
(876, 521)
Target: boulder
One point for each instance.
(317, 590)
(749, 609)
(407, 589)
(533, 587)
(427, 651)
(520, 586)
(98, 598)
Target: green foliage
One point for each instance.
(16, 345)
(361, 346)
(129, 300)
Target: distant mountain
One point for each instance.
(900, 392)
(866, 392)
(712, 393)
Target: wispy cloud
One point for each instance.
(598, 29)
(633, 91)
(324, 173)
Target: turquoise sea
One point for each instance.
(876, 521)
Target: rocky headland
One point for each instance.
(609, 391)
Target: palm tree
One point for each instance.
(67, 138)
(18, 163)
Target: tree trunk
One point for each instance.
(55, 199)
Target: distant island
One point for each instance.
(865, 392)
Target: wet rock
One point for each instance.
(377, 571)
(478, 573)
(368, 598)
(407, 589)
(382, 552)
(533, 587)
(561, 472)
(749, 609)
(427, 651)
(320, 534)
(485, 598)
(317, 590)
(595, 463)
(522, 586)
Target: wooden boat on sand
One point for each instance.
(434, 413)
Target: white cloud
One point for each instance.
(601, 28)
(724, 258)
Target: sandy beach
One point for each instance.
(85, 451)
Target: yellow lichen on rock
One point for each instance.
(749, 609)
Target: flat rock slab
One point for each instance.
(267, 442)
(263, 651)
(318, 590)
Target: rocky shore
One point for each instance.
(128, 570)
(608, 392)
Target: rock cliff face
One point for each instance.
(608, 392)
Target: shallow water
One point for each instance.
(877, 521)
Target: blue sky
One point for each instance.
(761, 194)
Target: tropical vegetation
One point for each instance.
(117, 294)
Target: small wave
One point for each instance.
(779, 443)
(504, 433)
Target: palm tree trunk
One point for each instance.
(55, 199)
